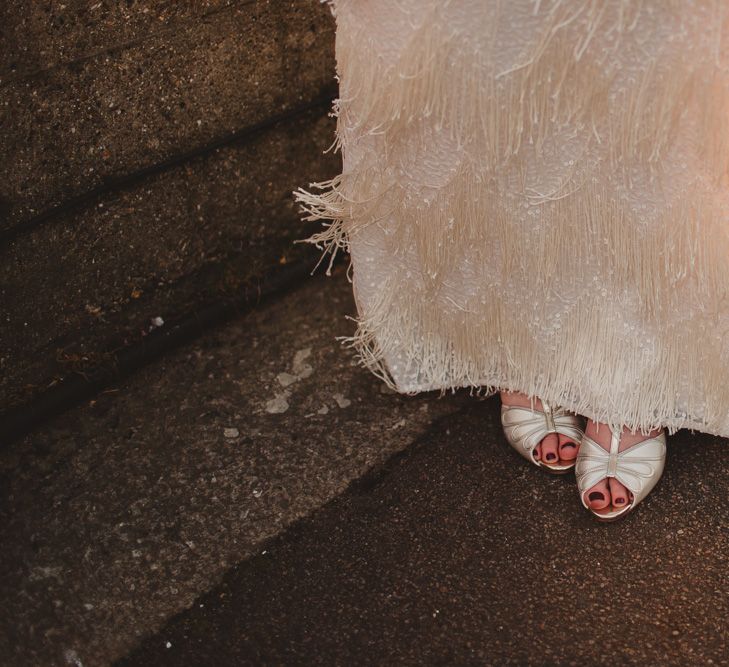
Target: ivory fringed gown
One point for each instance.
(535, 197)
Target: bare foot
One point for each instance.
(555, 449)
(608, 494)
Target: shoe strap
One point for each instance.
(614, 447)
(549, 417)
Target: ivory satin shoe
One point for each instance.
(525, 428)
(638, 468)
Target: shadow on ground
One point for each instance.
(458, 552)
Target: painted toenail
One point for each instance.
(568, 444)
(596, 495)
(619, 501)
(551, 457)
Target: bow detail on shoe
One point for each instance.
(638, 468)
(525, 428)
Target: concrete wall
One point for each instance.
(93, 91)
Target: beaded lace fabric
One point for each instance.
(535, 197)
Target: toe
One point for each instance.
(538, 452)
(550, 449)
(598, 497)
(568, 448)
(618, 493)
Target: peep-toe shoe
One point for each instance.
(525, 428)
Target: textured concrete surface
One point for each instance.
(92, 91)
(45, 34)
(91, 281)
(460, 553)
(164, 77)
(121, 512)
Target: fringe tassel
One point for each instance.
(444, 96)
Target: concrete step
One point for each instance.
(115, 99)
(71, 127)
(102, 273)
(121, 512)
